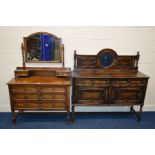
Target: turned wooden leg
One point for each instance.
(21, 111)
(14, 117)
(131, 109)
(138, 114)
(73, 114)
(68, 117)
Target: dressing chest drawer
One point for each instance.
(38, 97)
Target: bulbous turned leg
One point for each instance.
(131, 109)
(68, 117)
(14, 117)
(140, 113)
(73, 114)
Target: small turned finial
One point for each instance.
(136, 61)
(138, 55)
(74, 58)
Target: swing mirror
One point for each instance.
(43, 47)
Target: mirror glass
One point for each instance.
(43, 47)
(106, 59)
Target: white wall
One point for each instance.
(86, 40)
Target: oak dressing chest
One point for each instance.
(41, 88)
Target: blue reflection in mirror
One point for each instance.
(43, 47)
(106, 59)
(47, 48)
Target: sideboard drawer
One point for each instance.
(128, 83)
(83, 82)
(100, 83)
(92, 82)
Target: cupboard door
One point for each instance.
(126, 96)
(91, 96)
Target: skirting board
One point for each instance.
(99, 109)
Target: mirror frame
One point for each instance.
(25, 52)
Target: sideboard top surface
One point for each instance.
(95, 73)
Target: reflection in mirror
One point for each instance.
(106, 59)
(43, 47)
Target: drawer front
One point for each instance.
(128, 83)
(24, 89)
(91, 82)
(52, 89)
(25, 96)
(60, 105)
(83, 82)
(52, 97)
(37, 89)
(21, 73)
(27, 105)
(126, 97)
(38, 97)
(45, 105)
